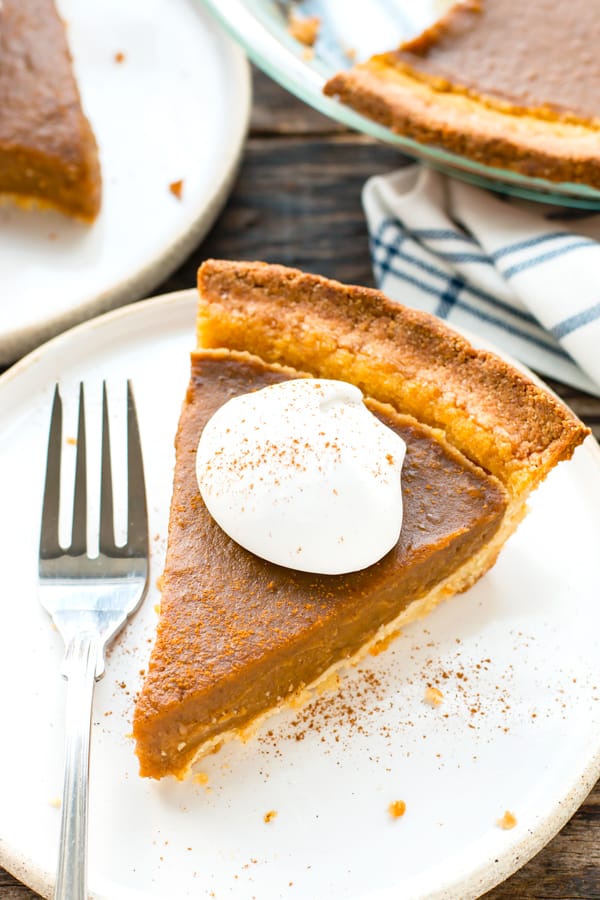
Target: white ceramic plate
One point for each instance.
(175, 108)
(515, 657)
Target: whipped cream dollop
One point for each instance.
(302, 474)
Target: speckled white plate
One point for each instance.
(516, 659)
(175, 108)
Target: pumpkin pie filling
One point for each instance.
(522, 54)
(239, 637)
(237, 632)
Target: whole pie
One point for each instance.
(48, 153)
(506, 83)
(239, 637)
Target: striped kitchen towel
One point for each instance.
(523, 276)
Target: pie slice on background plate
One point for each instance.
(48, 153)
(239, 637)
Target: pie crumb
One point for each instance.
(433, 696)
(381, 645)
(397, 808)
(507, 821)
(331, 683)
(300, 699)
(304, 29)
(201, 778)
(56, 802)
(176, 188)
(269, 816)
(119, 57)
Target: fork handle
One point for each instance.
(79, 668)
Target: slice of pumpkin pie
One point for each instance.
(240, 635)
(48, 154)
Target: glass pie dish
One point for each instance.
(350, 31)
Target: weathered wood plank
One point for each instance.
(11, 889)
(297, 202)
(275, 111)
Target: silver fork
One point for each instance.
(89, 599)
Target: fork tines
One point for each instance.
(137, 530)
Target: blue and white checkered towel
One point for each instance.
(523, 276)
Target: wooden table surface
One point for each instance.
(297, 202)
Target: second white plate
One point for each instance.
(516, 659)
(174, 108)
